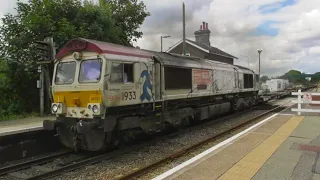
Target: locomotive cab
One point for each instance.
(77, 90)
(88, 82)
(77, 86)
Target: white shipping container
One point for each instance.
(275, 85)
(272, 85)
(286, 83)
(264, 86)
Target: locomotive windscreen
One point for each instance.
(177, 78)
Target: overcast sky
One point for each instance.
(288, 31)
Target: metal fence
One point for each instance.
(306, 98)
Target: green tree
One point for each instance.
(294, 76)
(264, 78)
(4, 86)
(315, 78)
(298, 78)
(128, 16)
(111, 21)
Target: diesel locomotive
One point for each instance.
(105, 92)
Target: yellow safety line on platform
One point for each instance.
(249, 165)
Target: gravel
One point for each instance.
(34, 171)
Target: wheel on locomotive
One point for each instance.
(84, 135)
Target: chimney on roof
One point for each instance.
(203, 35)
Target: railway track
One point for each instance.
(78, 164)
(144, 170)
(75, 163)
(43, 172)
(33, 162)
(41, 164)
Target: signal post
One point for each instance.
(47, 51)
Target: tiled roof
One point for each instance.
(211, 49)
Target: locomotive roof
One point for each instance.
(188, 61)
(110, 48)
(166, 58)
(101, 47)
(178, 60)
(244, 68)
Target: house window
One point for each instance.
(122, 73)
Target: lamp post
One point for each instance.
(259, 51)
(161, 40)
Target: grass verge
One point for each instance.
(12, 117)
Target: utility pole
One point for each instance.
(41, 89)
(184, 30)
(247, 60)
(259, 51)
(47, 73)
(161, 40)
(161, 44)
(47, 49)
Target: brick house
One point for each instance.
(201, 47)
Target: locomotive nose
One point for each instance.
(86, 126)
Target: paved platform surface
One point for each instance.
(22, 125)
(285, 146)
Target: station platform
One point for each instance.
(18, 126)
(282, 146)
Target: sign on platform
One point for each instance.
(307, 96)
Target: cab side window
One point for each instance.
(121, 73)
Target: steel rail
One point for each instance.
(82, 163)
(27, 164)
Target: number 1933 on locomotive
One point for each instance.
(129, 95)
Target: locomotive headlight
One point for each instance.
(77, 55)
(58, 108)
(95, 109)
(55, 108)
